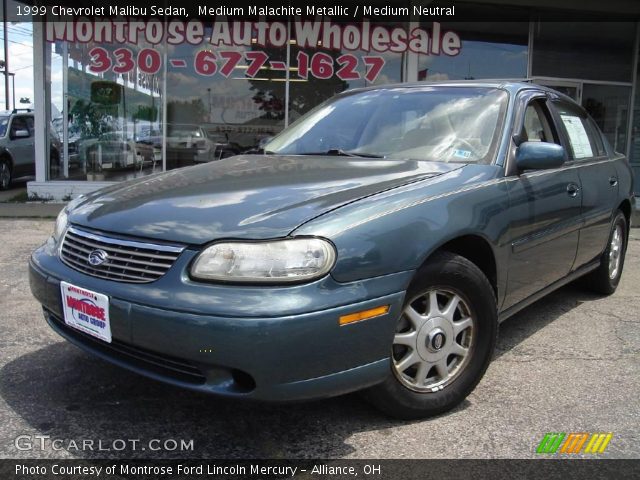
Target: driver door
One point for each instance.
(544, 208)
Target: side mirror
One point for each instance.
(539, 156)
(20, 134)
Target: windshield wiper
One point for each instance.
(338, 152)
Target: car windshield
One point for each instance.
(444, 124)
(183, 131)
(4, 121)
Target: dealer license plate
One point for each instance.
(86, 311)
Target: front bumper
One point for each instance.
(267, 343)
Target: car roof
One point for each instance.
(511, 86)
(19, 111)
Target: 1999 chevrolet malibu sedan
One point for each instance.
(375, 245)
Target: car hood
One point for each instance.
(248, 196)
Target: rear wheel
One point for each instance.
(5, 174)
(606, 277)
(443, 341)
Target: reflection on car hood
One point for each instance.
(243, 197)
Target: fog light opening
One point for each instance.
(243, 382)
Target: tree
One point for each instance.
(270, 96)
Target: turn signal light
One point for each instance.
(364, 315)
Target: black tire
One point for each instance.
(449, 273)
(5, 174)
(600, 280)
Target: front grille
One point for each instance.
(116, 259)
(166, 366)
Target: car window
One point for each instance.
(30, 126)
(4, 121)
(184, 131)
(580, 134)
(533, 125)
(536, 126)
(19, 123)
(596, 137)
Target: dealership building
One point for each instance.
(129, 97)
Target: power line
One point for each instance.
(20, 34)
(19, 29)
(21, 68)
(17, 43)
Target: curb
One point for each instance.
(30, 210)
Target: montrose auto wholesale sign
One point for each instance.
(364, 44)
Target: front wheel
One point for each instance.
(443, 340)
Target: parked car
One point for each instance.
(17, 150)
(375, 246)
(112, 151)
(216, 146)
(183, 143)
(189, 144)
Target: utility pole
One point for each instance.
(6, 54)
(13, 88)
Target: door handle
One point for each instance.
(572, 190)
(613, 181)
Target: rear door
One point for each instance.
(598, 178)
(544, 209)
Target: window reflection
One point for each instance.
(488, 50)
(107, 114)
(609, 107)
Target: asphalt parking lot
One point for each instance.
(570, 363)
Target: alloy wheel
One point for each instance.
(615, 252)
(433, 340)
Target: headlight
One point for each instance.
(63, 217)
(61, 225)
(276, 261)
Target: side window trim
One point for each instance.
(523, 101)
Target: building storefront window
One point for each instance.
(133, 98)
(584, 50)
(108, 109)
(337, 57)
(137, 100)
(609, 107)
(487, 50)
(589, 61)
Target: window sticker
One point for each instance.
(462, 154)
(577, 136)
